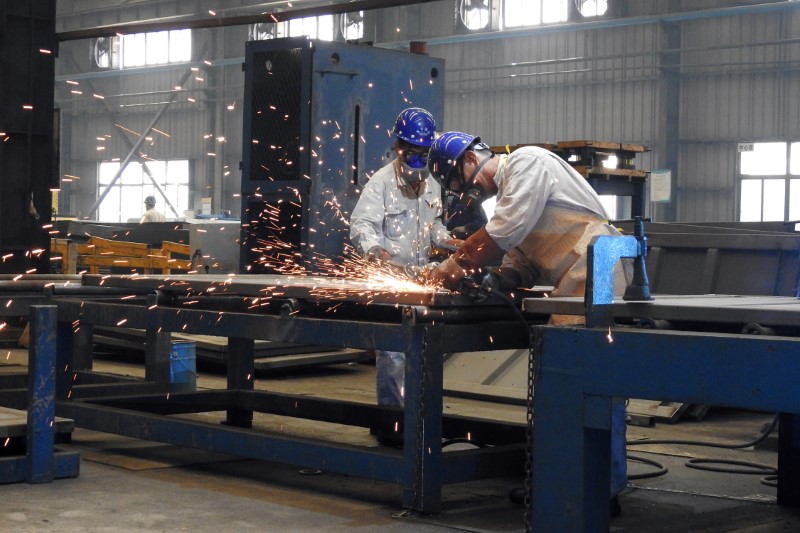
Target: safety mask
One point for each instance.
(474, 197)
(412, 175)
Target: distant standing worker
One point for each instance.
(396, 219)
(150, 214)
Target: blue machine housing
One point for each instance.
(318, 118)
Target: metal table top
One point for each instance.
(764, 310)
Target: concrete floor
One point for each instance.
(139, 486)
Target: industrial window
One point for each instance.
(475, 14)
(155, 48)
(125, 199)
(314, 27)
(517, 13)
(592, 8)
(769, 181)
(352, 25)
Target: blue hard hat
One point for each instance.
(445, 152)
(416, 126)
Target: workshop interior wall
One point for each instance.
(608, 83)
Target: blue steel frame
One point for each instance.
(421, 467)
(41, 463)
(578, 372)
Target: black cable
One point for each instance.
(764, 434)
(508, 301)
(770, 481)
(750, 467)
(655, 473)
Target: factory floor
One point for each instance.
(129, 485)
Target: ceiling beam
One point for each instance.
(218, 22)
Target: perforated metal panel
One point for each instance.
(275, 115)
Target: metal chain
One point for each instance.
(529, 438)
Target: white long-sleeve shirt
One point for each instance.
(391, 215)
(546, 216)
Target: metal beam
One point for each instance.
(218, 22)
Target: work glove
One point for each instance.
(378, 253)
(480, 286)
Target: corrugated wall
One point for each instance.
(614, 92)
(734, 88)
(596, 85)
(605, 84)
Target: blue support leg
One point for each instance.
(422, 473)
(156, 356)
(571, 451)
(241, 368)
(789, 460)
(41, 394)
(65, 335)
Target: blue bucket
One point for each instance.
(183, 365)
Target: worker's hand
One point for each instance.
(378, 253)
(490, 283)
(448, 274)
(480, 286)
(454, 242)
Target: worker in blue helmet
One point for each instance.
(397, 219)
(544, 219)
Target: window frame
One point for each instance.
(125, 191)
(787, 177)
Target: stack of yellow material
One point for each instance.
(99, 253)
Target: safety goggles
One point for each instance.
(415, 159)
(454, 179)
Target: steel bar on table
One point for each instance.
(764, 310)
(301, 330)
(309, 288)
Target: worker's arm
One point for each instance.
(477, 251)
(366, 222)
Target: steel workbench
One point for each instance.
(705, 358)
(423, 324)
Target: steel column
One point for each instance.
(241, 376)
(41, 394)
(156, 355)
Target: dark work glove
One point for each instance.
(491, 282)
